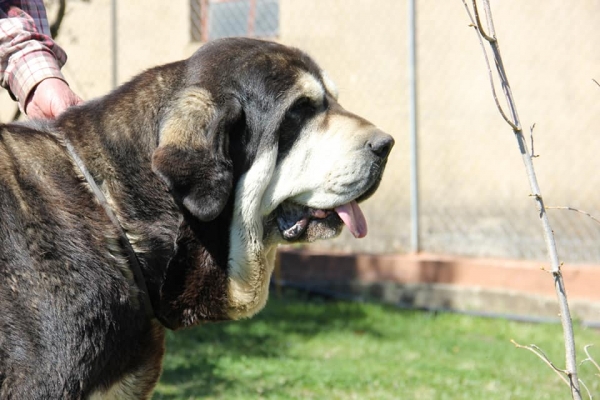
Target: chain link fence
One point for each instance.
(473, 191)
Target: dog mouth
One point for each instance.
(301, 223)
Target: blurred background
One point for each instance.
(473, 192)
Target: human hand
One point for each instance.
(49, 98)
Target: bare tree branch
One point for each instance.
(490, 74)
(538, 352)
(480, 26)
(586, 389)
(533, 155)
(573, 209)
(590, 358)
(515, 124)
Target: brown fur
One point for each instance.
(187, 155)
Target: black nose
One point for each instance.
(381, 144)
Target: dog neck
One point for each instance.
(131, 255)
(195, 271)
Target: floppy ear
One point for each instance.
(192, 157)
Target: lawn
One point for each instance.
(300, 348)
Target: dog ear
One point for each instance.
(193, 156)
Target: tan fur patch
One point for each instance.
(251, 260)
(330, 85)
(250, 266)
(248, 294)
(308, 86)
(191, 111)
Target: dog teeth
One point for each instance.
(293, 219)
(296, 230)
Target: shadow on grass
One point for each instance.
(196, 362)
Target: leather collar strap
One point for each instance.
(133, 260)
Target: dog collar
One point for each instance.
(133, 259)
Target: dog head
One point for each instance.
(266, 118)
(257, 126)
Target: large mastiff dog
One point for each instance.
(161, 205)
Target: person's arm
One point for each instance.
(30, 60)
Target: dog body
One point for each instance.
(208, 164)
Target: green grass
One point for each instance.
(309, 349)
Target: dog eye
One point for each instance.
(303, 105)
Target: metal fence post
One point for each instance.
(415, 244)
(113, 21)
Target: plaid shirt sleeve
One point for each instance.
(28, 54)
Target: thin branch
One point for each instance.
(590, 358)
(586, 389)
(565, 314)
(489, 68)
(538, 352)
(560, 372)
(573, 209)
(480, 26)
(596, 82)
(533, 155)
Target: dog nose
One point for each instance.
(381, 144)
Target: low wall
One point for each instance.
(514, 288)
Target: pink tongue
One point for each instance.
(354, 219)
